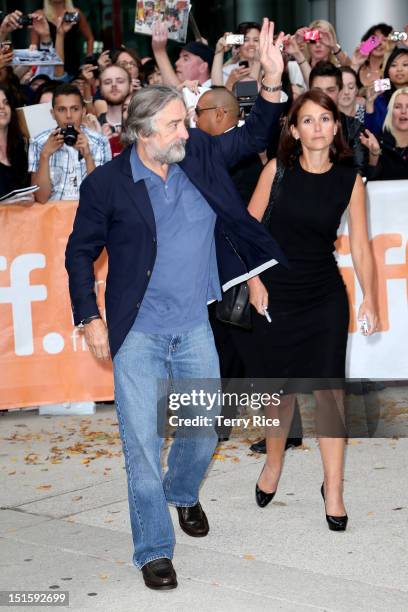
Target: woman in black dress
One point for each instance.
(308, 304)
(13, 147)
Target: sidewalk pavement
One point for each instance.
(64, 525)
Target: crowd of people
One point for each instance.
(373, 119)
(288, 125)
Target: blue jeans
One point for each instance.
(140, 362)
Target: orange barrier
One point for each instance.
(43, 357)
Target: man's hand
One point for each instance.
(270, 52)
(160, 36)
(104, 60)
(193, 86)
(54, 142)
(82, 145)
(136, 84)
(96, 336)
(87, 71)
(10, 23)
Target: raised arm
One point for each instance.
(159, 44)
(217, 78)
(86, 31)
(361, 254)
(263, 120)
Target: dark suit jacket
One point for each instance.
(116, 213)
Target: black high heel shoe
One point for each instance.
(335, 523)
(262, 498)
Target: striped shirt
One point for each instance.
(66, 171)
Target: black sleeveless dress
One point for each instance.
(308, 303)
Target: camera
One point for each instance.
(398, 36)
(311, 35)
(382, 85)
(235, 39)
(25, 20)
(246, 93)
(70, 135)
(71, 17)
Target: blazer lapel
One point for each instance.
(137, 192)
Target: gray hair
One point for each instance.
(143, 108)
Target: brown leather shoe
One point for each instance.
(193, 521)
(159, 574)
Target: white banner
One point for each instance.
(385, 354)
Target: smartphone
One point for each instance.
(243, 64)
(70, 17)
(6, 46)
(382, 85)
(311, 35)
(235, 39)
(363, 326)
(368, 45)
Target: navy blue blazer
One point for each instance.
(115, 213)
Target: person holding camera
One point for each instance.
(60, 159)
(54, 10)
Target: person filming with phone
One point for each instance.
(59, 159)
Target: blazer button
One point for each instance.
(154, 239)
(138, 305)
(148, 273)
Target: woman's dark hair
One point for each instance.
(12, 83)
(349, 70)
(396, 53)
(148, 68)
(16, 144)
(245, 26)
(290, 149)
(384, 28)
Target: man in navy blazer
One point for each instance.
(176, 232)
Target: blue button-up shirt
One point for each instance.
(185, 275)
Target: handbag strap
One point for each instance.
(280, 171)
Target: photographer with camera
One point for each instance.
(60, 159)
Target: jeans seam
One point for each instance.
(130, 471)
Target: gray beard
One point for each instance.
(174, 154)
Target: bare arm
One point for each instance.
(258, 295)
(361, 254)
(217, 78)
(86, 32)
(42, 176)
(159, 43)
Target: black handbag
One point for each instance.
(234, 307)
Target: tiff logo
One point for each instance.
(20, 294)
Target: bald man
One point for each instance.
(217, 111)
